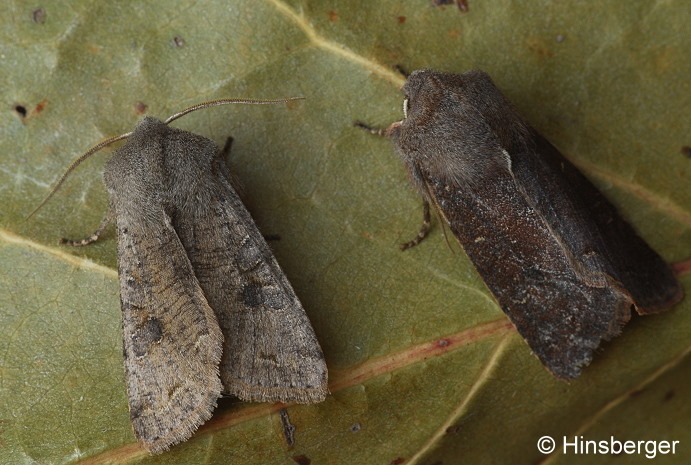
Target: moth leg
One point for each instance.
(93, 237)
(370, 129)
(424, 229)
(288, 428)
(226, 147)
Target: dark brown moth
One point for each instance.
(564, 266)
(206, 308)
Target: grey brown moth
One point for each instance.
(206, 308)
(564, 266)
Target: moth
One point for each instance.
(561, 262)
(206, 309)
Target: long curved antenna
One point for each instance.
(227, 101)
(76, 163)
(106, 142)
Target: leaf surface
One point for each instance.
(424, 366)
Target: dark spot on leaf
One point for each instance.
(140, 108)
(453, 429)
(333, 16)
(178, 41)
(668, 395)
(443, 343)
(560, 38)
(20, 110)
(302, 460)
(686, 151)
(355, 427)
(39, 16)
(401, 19)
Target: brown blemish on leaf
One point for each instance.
(635, 392)
(140, 107)
(682, 268)
(453, 429)
(24, 113)
(333, 16)
(302, 460)
(538, 45)
(401, 19)
(40, 106)
(668, 395)
(397, 461)
(453, 33)
(178, 41)
(686, 151)
(39, 15)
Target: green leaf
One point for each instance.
(424, 366)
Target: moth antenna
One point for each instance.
(74, 165)
(228, 101)
(106, 142)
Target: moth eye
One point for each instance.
(405, 108)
